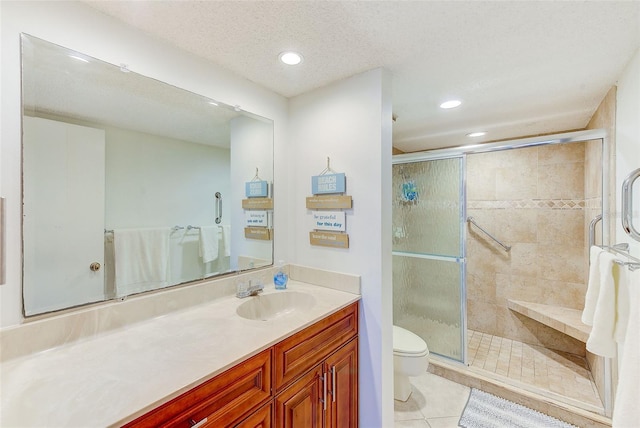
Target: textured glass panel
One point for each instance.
(426, 207)
(426, 301)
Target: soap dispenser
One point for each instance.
(280, 278)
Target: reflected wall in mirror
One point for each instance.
(120, 176)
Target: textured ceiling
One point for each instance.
(521, 68)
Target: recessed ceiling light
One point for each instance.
(477, 134)
(213, 103)
(450, 104)
(290, 58)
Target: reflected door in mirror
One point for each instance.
(63, 214)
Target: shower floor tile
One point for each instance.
(552, 371)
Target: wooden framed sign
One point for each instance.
(256, 218)
(328, 183)
(260, 233)
(329, 239)
(329, 220)
(257, 204)
(256, 189)
(329, 202)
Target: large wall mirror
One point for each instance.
(130, 184)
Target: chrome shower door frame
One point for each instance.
(460, 259)
(562, 138)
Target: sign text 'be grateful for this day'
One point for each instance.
(329, 220)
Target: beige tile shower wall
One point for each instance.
(604, 117)
(532, 199)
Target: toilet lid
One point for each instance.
(406, 342)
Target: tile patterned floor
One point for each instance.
(551, 371)
(435, 402)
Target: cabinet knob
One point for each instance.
(95, 266)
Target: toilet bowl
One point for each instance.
(410, 358)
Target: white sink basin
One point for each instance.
(269, 306)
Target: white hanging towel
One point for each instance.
(593, 285)
(226, 240)
(626, 412)
(623, 304)
(601, 339)
(141, 259)
(209, 237)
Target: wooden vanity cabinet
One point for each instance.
(300, 352)
(308, 380)
(306, 403)
(220, 402)
(316, 374)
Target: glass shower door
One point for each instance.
(428, 253)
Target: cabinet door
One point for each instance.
(300, 405)
(341, 369)
(259, 419)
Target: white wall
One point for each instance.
(248, 152)
(77, 26)
(628, 143)
(350, 122)
(172, 182)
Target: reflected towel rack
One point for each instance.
(173, 229)
(507, 248)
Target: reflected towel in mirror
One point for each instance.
(226, 240)
(209, 237)
(141, 259)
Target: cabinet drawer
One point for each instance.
(297, 354)
(221, 400)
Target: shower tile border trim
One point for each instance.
(552, 204)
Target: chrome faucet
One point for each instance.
(251, 290)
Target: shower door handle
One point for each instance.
(627, 205)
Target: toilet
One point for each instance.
(410, 358)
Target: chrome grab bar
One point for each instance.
(507, 248)
(592, 230)
(218, 207)
(627, 205)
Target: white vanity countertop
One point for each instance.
(117, 376)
